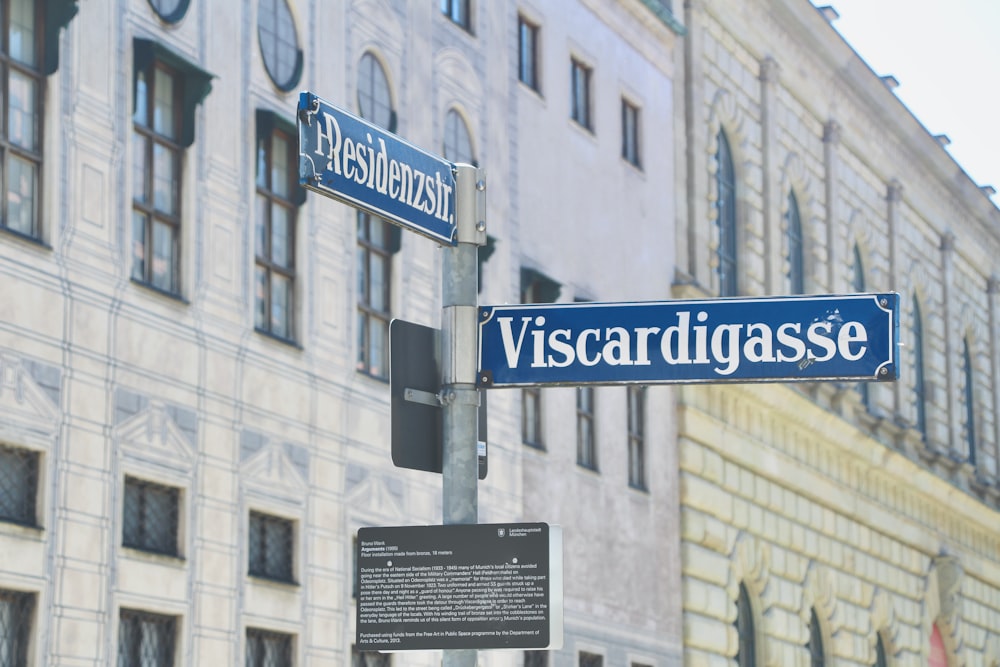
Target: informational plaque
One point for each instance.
(469, 586)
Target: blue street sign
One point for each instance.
(776, 339)
(349, 159)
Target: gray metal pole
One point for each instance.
(460, 397)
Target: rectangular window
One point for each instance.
(587, 659)
(586, 446)
(369, 658)
(22, 83)
(536, 659)
(637, 437)
(150, 516)
(156, 177)
(268, 649)
(580, 93)
(374, 295)
(531, 417)
(16, 612)
(527, 41)
(274, 237)
(458, 12)
(146, 639)
(270, 547)
(18, 485)
(630, 132)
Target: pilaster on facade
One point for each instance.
(775, 264)
(836, 281)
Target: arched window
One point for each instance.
(880, 658)
(970, 406)
(919, 390)
(815, 645)
(725, 180)
(747, 651)
(457, 143)
(858, 285)
(374, 99)
(796, 263)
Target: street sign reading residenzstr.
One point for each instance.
(350, 159)
(850, 337)
(459, 586)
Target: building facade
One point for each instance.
(832, 523)
(194, 409)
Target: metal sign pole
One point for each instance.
(459, 395)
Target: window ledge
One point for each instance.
(138, 553)
(377, 378)
(24, 530)
(639, 488)
(27, 238)
(279, 339)
(173, 296)
(272, 581)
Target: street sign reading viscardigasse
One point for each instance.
(347, 158)
(459, 586)
(850, 337)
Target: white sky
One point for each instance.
(946, 56)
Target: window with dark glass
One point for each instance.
(858, 284)
(21, 94)
(268, 649)
(796, 263)
(880, 656)
(369, 658)
(536, 659)
(457, 141)
(637, 437)
(377, 239)
(270, 547)
(919, 388)
(536, 287)
(458, 11)
(588, 659)
(150, 516)
(586, 445)
(278, 197)
(527, 53)
(746, 655)
(18, 485)
(166, 92)
(580, 93)
(171, 11)
(279, 43)
(970, 402)
(146, 639)
(630, 132)
(725, 204)
(816, 656)
(17, 611)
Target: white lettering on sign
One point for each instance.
(723, 346)
(370, 166)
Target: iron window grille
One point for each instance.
(587, 659)
(637, 437)
(146, 639)
(858, 283)
(531, 417)
(270, 546)
(970, 402)
(279, 43)
(457, 140)
(18, 485)
(16, 612)
(150, 516)
(580, 76)
(919, 386)
(815, 645)
(725, 181)
(459, 12)
(369, 658)
(536, 659)
(275, 222)
(880, 656)
(586, 446)
(22, 57)
(630, 133)
(268, 649)
(527, 53)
